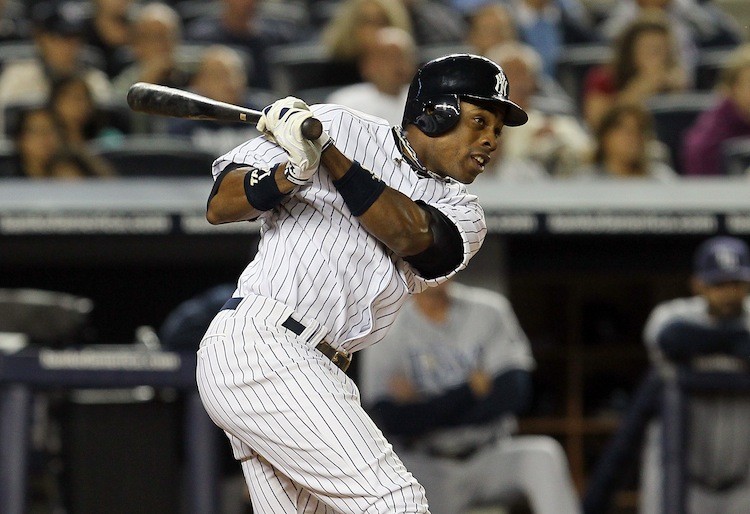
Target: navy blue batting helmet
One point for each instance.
(433, 103)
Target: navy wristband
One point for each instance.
(359, 188)
(261, 189)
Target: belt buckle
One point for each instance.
(341, 359)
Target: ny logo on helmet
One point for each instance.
(501, 86)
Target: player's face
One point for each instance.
(464, 152)
(725, 300)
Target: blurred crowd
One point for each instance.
(654, 89)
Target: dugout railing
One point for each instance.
(676, 393)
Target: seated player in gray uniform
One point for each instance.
(710, 332)
(445, 386)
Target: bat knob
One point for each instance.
(312, 128)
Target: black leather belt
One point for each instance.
(341, 359)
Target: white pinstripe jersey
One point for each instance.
(315, 257)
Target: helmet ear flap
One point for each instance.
(439, 115)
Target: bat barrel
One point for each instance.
(167, 101)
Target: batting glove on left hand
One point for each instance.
(282, 122)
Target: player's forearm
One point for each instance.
(230, 203)
(393, 218)
(682, 340)
(510, 394)
(419, 417)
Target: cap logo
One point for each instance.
(727, 259)
(501, 84)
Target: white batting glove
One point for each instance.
(282, 123)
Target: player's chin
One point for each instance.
(465, 173)
(470, 172)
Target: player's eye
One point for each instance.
(480, 121)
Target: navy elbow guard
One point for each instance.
(446, 251)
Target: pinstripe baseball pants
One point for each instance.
(294, 419)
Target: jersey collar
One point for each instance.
(410, 156)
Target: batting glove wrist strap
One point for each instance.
(359, 188)
(296, 175)
(281, 122)
(261, 189)
(325, 141)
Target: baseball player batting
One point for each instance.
(351, 224)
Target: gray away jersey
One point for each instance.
(718, 428)
(482, 332)
(316, 257)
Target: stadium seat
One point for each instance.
(115, 114)
(7, 158)
(708, 68)
(148, 155)
(316, 95)
(191, 10)
(21, 50)
(735, 154)
(674, 114)
(305, 66)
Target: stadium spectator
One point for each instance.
(80, 118)
(37, 137)
(490, 24)
(355, 23)
(57, 30)
(548, 25)
(156, 33)
(645, 63)
(557, 142)
(435, 23)
(242, 25)
(221, 75)
(387, 66)
(108, 30)
(14, 25)
(695, 24)
(625, 147)
(730, 118)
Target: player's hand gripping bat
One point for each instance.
(168, 101)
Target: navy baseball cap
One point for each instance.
(722, 259)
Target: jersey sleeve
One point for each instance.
(258, 152)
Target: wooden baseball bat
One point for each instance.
(178, 103)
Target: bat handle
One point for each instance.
(312, 128)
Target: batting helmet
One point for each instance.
(433, 103)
